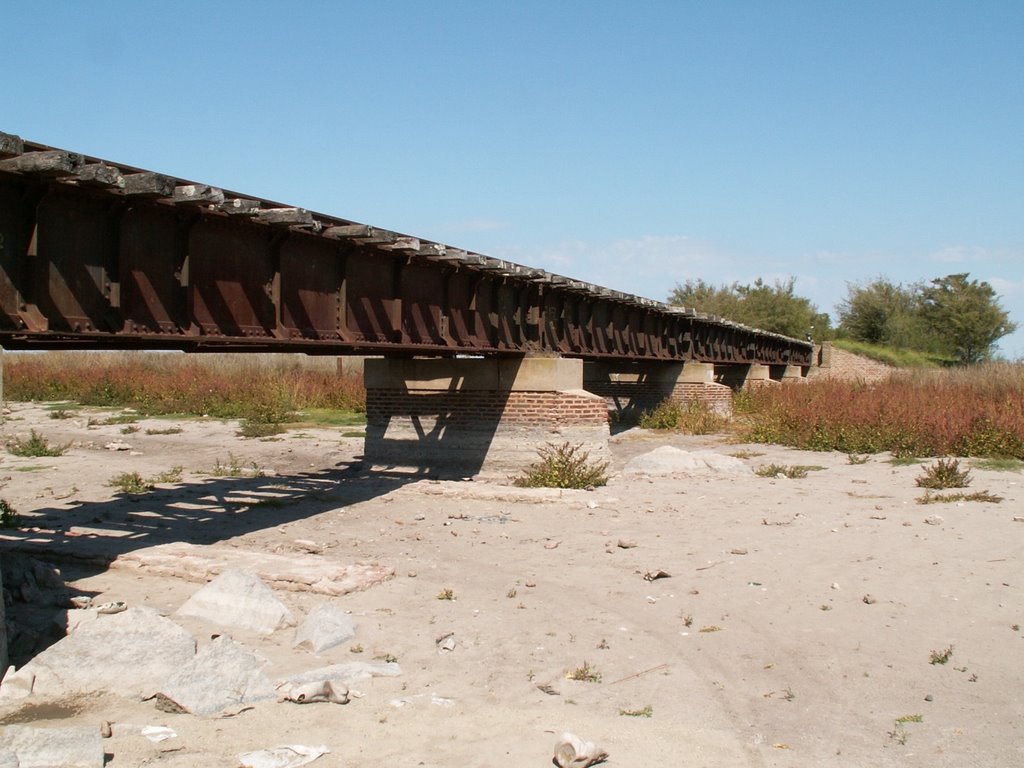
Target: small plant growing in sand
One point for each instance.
(745, 454)
(853, 458)
(167, 431)
(172, 475)
(61, 413)
(647, 711)
(9, 517)
(36, 445)
(446, 594)
(564, 466)
(943, 498)
(944, 473)
(130, 482)
(781, 470)
(941, 657)
(585, 673)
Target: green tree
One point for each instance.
(883, 312)
(966, 315)
(774, 308)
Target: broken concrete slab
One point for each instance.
(23, 746)
(239, 599)
(297, 572)
(325, 626)
(222, 675)
(130, 653)
(668, 460)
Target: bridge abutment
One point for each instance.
(630, 388)
(460, 417)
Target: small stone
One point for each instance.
(552, 545)
(835, 585)
(105, 729)
(626, 543)
(738, 551)
(118, 445)
(934, 520)
(929, 697)
(869, 599)
(1018, 518)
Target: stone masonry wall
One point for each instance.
(471, 432)
(839, 364)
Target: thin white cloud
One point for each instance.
(476, 225)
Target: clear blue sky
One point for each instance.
(630, 144)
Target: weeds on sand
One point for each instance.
(36, 445)
(781, 470)
(585, 673)
(944, 473)
(564, 466)
(941, 657)
(446, 594)
(647, 711)
(946, 498)
(999, 464)
(167, 431)
(131, 482)
(853, 458)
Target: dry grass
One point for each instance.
(976, 411)
(260, 388)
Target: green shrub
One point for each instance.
(130, 482)
(9, 518)
(945, 473)
(36, 445)
(564, 466)
(692, 417)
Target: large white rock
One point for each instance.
(668, 460)
(239, 599)
(130, 653)
(326, 626)
(222, 675)
(22, 746)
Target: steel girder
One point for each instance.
(99, 255)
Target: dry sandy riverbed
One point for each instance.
(759, 650)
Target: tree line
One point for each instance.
(951, 316)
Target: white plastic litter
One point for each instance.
(285, 756)
(158, 733)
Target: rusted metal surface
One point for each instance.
(101, 255)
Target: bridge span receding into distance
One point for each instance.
(95, 254)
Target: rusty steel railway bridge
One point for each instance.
(95, 254)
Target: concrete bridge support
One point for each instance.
(630, 388)
(462, 417)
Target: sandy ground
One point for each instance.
(759, 650)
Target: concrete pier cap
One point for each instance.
(458, 417)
